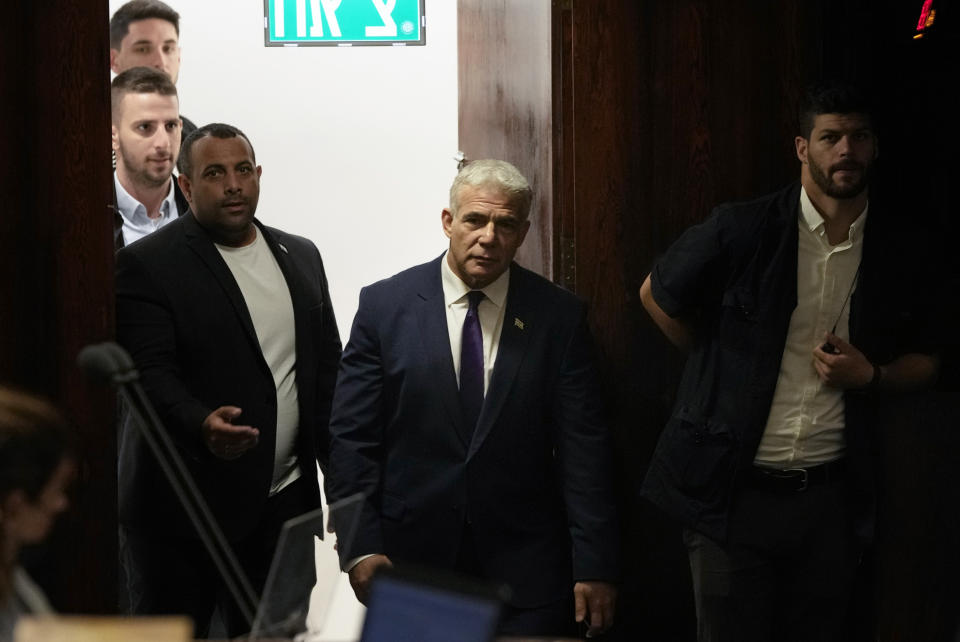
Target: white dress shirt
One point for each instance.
(806, 420)
(136, 222)
(490, 310)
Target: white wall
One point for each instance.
(356, 145)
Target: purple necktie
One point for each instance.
(471, 364)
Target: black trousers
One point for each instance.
(785, 575)
(554, 619)
(168, 576)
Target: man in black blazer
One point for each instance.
(466, 411)
(230, 325)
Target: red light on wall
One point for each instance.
(927, 15)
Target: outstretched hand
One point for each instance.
(224, 439)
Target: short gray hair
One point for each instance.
(498, 175)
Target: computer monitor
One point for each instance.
(425, 606)
(283, 607)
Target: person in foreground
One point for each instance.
(796, 316)
(231, 327)
(467, 412)
(36, 470)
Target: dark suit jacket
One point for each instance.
(534, 483)
(182, 208)
(181, 315)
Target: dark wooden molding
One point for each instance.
(57, 261)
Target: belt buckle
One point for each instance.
(804, 477)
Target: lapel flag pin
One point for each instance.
(517, 322)
(283, 248)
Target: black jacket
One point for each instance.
(183, 318)
(736, 275)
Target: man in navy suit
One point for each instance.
(466, 411)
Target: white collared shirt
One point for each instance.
(806, 420)
(136, 223)
(490, 310)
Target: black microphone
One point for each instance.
(99, 362)
(123, 358)
(111, 364)
(107, 362)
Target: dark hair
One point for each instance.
(34, 439)
(833, 97)
(136, 10)
(139, 80)
(216, 130)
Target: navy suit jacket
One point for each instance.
(533, 483)
(182, 317)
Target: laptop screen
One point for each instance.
(402, 609)
(283, 607)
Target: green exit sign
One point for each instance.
(343, 23)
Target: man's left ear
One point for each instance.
(259, 171)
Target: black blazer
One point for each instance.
(534, 482)
(736, 275)
(182, 316)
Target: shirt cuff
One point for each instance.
(356, 560)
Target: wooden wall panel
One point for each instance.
(57, 260)
(505, 103)
(677, 107)
(613, 162)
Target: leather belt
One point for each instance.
(796, 480)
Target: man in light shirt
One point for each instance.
(784, 305)
(146, 141)
(230, 325)
(466, 411)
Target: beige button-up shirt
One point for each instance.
(806, 420)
